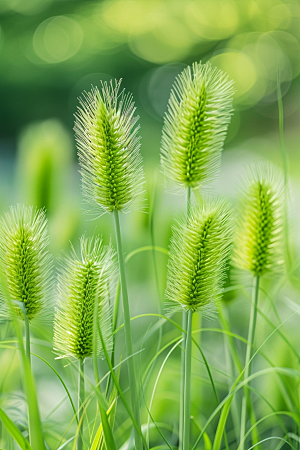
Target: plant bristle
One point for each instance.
(197, 258)
(108, 144)
(195, 126)
(260, 222)
(83, 281)
(25, 262)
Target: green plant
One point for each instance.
(26, 265)
(196, 271)
(195, 127)
(112, 179)
(258, 242)
(83, 287)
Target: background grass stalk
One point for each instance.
(251, 335)
(81, 394)
(184, 323)
(187, 383)
(128, 338)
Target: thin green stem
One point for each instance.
(184, 323)
(128, 338)
(27, 336)
(251, 335)
(81, 394)
(95, 359)
(187, 385)
(189, 192)
(182, 381)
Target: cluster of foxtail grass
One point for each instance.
(199, 111)
(25, 262)
(106, 129)
(108, 147)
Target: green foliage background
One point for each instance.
(51, 51)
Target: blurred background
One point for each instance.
(51, 51)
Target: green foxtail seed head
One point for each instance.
(195, 126)
(109, 148)
(260, 223)
(197, 258)
(82, 281)
(26, 265)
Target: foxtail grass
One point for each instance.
(258, 243)
(26, 266)
(108, 144)
(195, 126)
(199, 249)
(83, 302)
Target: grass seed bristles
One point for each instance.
(199, 249)
(108, 145)
(26, 265)
(258, 245)
(259, 233)
(82, 280)
(83, 286)
(198, 252)
(112, 177)
(195, 126)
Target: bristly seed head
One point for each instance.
(259, 234)
(195, 126)
(199, 249)
(83, 281)
(26, 265)
(108, 145)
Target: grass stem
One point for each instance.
(251, 335)
(187, 384)
(184, 327)
(128, 338)
(81, 394)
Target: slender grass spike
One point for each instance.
(258, 248)
(82, 281)
(108, 145)
(195, 125)
(83, 287)
(113, 179)
(26, 264)
(198, 252)
(259, 233)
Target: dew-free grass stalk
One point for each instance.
(250, 344)
(81, 395)
(128, 337)
(184, 324)
(27, 337)
(187, 383)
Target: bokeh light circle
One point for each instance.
(239, 67)
(57, 39)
